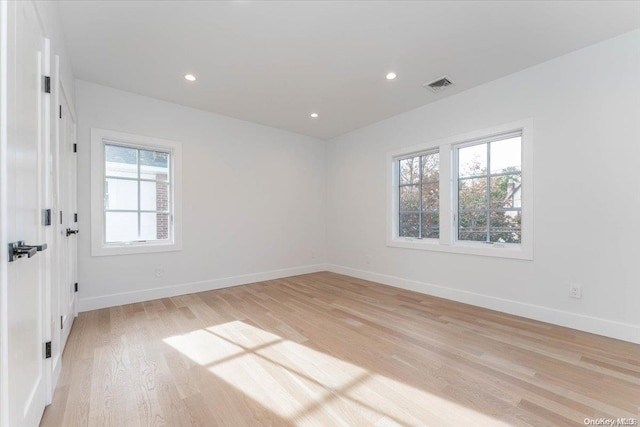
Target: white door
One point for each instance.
(68, 260)
(25, 281)
(63, 306)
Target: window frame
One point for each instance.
(99, 246)
(448, 241)
(421, 211)
(455, 173)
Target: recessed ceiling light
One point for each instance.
(314, 115)
(190, 77)
(391, 76)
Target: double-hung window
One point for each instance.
(469, 194)
(419, 195)
(135, 196)
(489, 189)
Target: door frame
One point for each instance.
(54, 366)
(4, 353)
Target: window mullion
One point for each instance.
(488, 192)
(420, 198)
(456, 195)
(399, 197)
(104, 215)
(139, 205)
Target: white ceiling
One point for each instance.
(276, 62)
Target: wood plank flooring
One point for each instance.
(330, 350)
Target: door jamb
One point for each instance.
(4, 353)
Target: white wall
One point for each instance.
(586, 112)
(253, 201)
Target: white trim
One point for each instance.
(4, 333)
(466, 248)
(45, 169)
(609, 328)
(112, 300)
(447, 241)
(98, 245)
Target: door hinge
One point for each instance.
(47, 84)
(60, 112)
(47, 350)
(60, 217)
(47, 217)
(75, 148)
(61, 322)
(75, 287)
(75, 217)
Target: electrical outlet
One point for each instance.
(159, 272)
(367, 259)
(575, 291)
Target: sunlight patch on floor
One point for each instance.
(205, 348)
(306, 386)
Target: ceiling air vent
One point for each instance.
(439, 85)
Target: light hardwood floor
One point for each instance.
(323, 350)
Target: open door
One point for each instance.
(24, 349)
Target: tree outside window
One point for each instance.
(490, 191)
(419, 196)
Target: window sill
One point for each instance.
(128, 249)
(467, 248)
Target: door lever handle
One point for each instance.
(70, 232)
(19, 250)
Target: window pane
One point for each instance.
(472, 161)
(472, 193)
(431, 167)
(154, 165)
(472, 226)
(121, 194)
(409, 170)
(431, 225)
(409, 225)
(154, 226)
(410, 198)
(506, 191)
(154, 196)
(472, 236)
(121, 161)
(431, 197)
(505, 227)
(506, 155)
(121, 226)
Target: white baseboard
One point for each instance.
(112, 300)
(595, 325)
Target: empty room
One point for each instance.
(319, 213)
